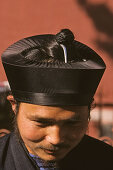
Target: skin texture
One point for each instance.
(51, 132)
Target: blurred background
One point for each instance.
(92, 23)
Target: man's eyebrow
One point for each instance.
(45, 119)
(41, 119)
(77, 118)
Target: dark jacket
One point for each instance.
(90, 154)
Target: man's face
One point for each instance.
(51, 132)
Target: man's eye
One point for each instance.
(42, 124)
(74, 123)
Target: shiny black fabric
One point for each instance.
(90, 154)
(51, 86)
(52, 83)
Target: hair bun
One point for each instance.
(65, 36)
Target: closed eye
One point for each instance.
(74, 123)
(43, 123)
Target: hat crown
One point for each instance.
(38, 75)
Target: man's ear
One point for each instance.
(13, 102)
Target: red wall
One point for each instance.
(90, 20)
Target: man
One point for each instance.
(53, 79)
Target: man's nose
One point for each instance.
(55, 135)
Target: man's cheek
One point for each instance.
(31, 133)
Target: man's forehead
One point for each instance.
(66, 107)
(34, 107)
(51, 112)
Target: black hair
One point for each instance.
(47, 49)
(6, 115)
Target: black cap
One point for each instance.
(73, 83)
